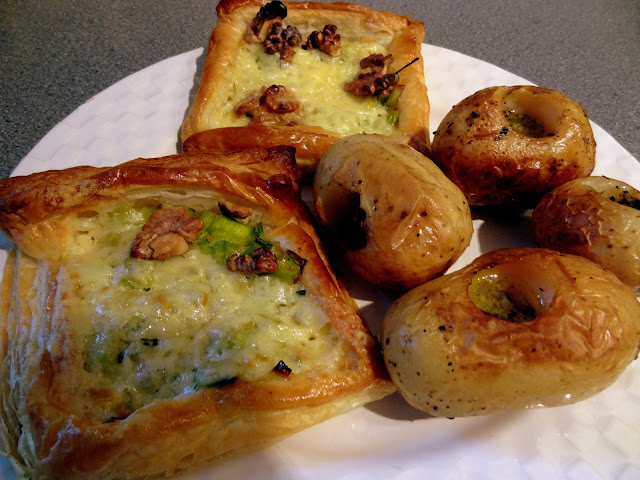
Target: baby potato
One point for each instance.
(517, 328)
(508, 146)
(398, 219)
(597, 218)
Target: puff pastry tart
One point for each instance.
(304, 74)
(167, 311)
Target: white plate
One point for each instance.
(140, 116)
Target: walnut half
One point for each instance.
(372, 80)
(261, 260)
(327, 41)
(274, 105)
(282, 40)
(167, 234)
(270, 11)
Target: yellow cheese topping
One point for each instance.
(156, 329)
(316, 80)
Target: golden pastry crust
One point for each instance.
(597, 218)
(28, 205)
(310, 143)
(60, 416)
(398, 34)
(450, 358)
(508, 146)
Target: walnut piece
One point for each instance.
(261, 260)
(167, 234)
(274, 105)
(327, 41)
(376, 62)
(372, 80)
(372, 83)
(270, 11)
(282, 40)
(230, 209)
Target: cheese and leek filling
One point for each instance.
(155, 329)
(317, 81)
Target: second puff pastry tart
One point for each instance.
(292, 73)
(167, 311)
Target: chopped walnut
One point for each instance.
(266, 261)
(275, 105)
(278, 100)
(372, 80)
(270, 11)
(250, 104)
(327, 41)
(372, 83)
(282, 40)
(168, 245)
(241, 263)
(261, 260)
(376, 62)
(232, 210)
(167, 234)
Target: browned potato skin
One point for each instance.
(449, 358)
(417, 221)
(583, 217)
(497, 166)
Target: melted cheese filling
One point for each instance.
(316, 80)
(157, 329)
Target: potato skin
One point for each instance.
(597, 218)
(413, 221)
(496, 165)
(449, 358)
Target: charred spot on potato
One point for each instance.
(282, 369)
(629, 201)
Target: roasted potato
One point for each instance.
(516, 328)
(597, 218)
(507, 146)
(399, 220)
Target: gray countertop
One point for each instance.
(55, 55)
